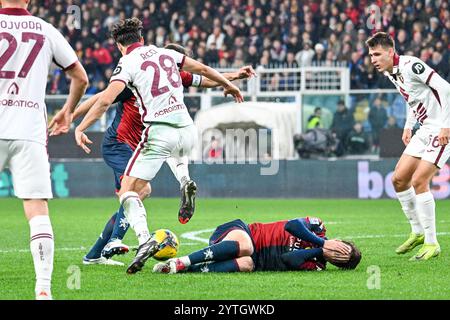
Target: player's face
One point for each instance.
(381, 58)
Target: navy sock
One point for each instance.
(224, 250)
(96, 250)
(120, 226)
(221, 266)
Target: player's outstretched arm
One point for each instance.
(243, 73)
(295, 259)
(84, 107)
(298, 228)
(62, 120)
(98, 109)
(208, 72)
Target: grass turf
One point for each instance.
(377, 227)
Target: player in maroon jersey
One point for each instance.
(297, 244)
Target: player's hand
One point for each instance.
(444, 136)
(60, 123)
(82, 139)
(337, 246)
(335, 255)
(235, 92)
(406, 137)
(246, 72)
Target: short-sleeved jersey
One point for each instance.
(28, 45)
(127, 125)
(153, 76)
(418, 84)
(271, 240)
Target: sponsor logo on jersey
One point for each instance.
(418, 68)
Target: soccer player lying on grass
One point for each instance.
(297, 244)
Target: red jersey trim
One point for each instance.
(70, 66)
(133, 46)
(429, 77)
(396, 60)
(120, 80)
(182, 63)
(439, 156)
(15, 12)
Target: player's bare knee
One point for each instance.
(399, 182)
(245, 248)
(145, 191)
(245, 264)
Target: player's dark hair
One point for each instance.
(174, 46)
(127, 31)
(380, 39)
(355, 258)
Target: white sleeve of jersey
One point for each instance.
(443, 87)
(420, 71)
(177, 57)
(63, 54)
(122, 73)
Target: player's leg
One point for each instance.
(426, 208)
(116, 156)
(241, 264)
(402, 181)
(31, 179)
(229, 241)
(186, 142)
(188, 187)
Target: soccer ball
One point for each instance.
(168, 244)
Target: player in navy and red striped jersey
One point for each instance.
(119, 143)
(297, 244)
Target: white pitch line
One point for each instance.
(194, 237)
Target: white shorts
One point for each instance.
(425, 145)
(158, 143)
(29, 166)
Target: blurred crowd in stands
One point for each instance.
(264, 33)
(287, 33)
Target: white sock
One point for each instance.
(136, 215)
(185, 260)
(407, 199)
(426, 208)
(179, 169)
(42, 249)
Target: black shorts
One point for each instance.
(224, 229)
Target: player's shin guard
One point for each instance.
(222, 266)
(407, 200)
(136, 215)
(42, 249)
(224, 250)
(426, 210)
(96, 250)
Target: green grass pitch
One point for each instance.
(377, 227)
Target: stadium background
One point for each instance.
(307, 54)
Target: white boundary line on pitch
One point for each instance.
(193, 236)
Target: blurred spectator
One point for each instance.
(305, 56)
(342, 124)
(392, 123)
(214, 150)
(377, 119)
(357, 140)
(314, 119)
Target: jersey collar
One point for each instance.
(134, 46)
(15, 12)
(396, 60)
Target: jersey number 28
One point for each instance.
(171, 71)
